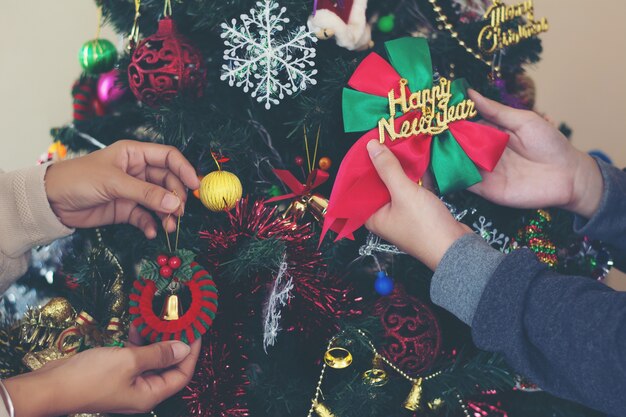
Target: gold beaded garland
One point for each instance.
(220, 190)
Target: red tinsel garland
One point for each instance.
(316, 295)
(220, 385)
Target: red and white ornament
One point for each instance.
(345, 21)
(165, 65)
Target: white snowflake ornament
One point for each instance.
(266, 59)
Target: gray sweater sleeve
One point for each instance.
(567, 334)
(608, 224)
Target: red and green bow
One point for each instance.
(454, 156)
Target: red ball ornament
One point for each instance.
(325, 163)
(299, 160)
(164, 65)
(162, 260)
(174, 262)
(413, 337)
(166, 271)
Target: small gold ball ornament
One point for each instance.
(58, 311)
(220, 190)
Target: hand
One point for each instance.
(415, 220)
(539, 168)
(118, 183)
(126, 380)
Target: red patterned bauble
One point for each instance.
(413, 337)
(164, 65)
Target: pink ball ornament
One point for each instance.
(109, 88)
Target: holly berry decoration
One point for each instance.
(97, 56)
(165, 65)
(167, 276)
(174, 262)
(165, 271)
(162, 260)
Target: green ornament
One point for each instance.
(274, 191)
(387, 23)
(97, 56)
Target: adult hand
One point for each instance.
(119, 184)
(415, 220)
(540, 168)
(126, 380)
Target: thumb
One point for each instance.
(499, 114)
(388, 168)
(160, 355)
(147, 194)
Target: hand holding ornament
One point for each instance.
(415, 220)
(539, 168)
(125, 380)
(119, 184)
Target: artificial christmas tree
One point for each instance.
(291, 312)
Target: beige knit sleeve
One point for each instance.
(26, 220)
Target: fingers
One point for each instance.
(134, 337)
(144, 221)
(161, 156)
(166, 179)
(149, 195)
(160, 355)
(173, 380)
(499, 114)
(388, 168)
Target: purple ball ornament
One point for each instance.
(109, 89)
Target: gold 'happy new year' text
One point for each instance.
(435, 112)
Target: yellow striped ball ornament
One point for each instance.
(220, 190)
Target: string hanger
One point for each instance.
(167, 234)
(311, 162)
(167, 8)
(133, 37)
(99, 21)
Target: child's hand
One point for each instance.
(118, 183)
(117, 380)
(539, 168)
(416, 221)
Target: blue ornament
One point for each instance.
(383, 284)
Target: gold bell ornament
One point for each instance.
(376, 377)
(304, 201)
(172, 309)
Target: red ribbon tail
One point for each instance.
(483, 144)
(359, 192)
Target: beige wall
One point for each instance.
(581, 78)
(39, 43)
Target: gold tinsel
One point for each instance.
(41, 327)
